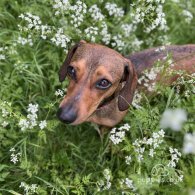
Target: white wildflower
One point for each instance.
(152, 142)
(5, 113)
(60, 39)
(91, 33)
(118, 42)
(189, 143)
(173, 118)
(175, 154)
(114, 10)
(32, 108)
(128, 29)
(45, 31)
(128, 159)
(136, 43)
(32, 21)
(117, 135)
(60, 6)
(12, 150)
(42, 124)
(29, 189)
(24, 124)
(59, 92)
(5, 124)
(2, 57)
(136, 100)
(160, 49)
(14, 156)
(107, 184)
(188, 16)
(151, 12)
(106, 37)
(129, 183)
(78, 12)
(151, 152)
(25, 41)
(96, 13)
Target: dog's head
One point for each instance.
(95, 73)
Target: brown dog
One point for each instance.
(103, 82)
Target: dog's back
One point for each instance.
(183, 57)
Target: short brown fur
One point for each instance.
(93, 62)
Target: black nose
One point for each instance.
(66, 115)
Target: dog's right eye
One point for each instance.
(103, 84)
(71, 72)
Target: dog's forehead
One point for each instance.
(96, 55)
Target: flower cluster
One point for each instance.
(20, 67)
(175, 154)
(78, 12)
(31, 121)
(29, 189)
(148, 78)
(188, 16)
(153, 143)
(147, 11)
(96, 13)
(59, 92)
(189, 81)
(128, 159)
(189, 143)
(14, 156)
(173, 118)
(136, 100)
(117, 135)
(91, 33)
(43, 124)
(118, 42)
(150, 75)
(45, 31)
(60, 6)
(128, 29)
(60, 39)
(136, 44)
(32, 21)
(104, 33)
(129, 184)
(105, 185)
(4, 113)
(114, 10)
(25, 41)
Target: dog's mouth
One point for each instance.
(106, 101)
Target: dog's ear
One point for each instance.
(126, 94)
(63, 68)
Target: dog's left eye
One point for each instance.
(71, 72)
(103, 84)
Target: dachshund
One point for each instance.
(102, 82)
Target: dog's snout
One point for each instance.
(66, 116)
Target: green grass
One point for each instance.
(64, 159)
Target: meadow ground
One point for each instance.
(150, 152)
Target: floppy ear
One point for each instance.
(126, 94)
(63, 68)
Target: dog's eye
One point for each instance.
(103, 84)
(71, 72)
